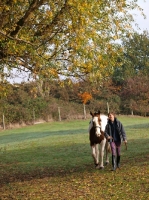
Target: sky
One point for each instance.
(142, 23)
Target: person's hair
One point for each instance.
(111, 112)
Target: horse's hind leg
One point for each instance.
(95, 154)
(108, 150)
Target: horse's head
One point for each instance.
(96, 122)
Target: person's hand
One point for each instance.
(125, 142)
(109, 137)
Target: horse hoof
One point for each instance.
(106, 163)
(101, 168)
(97, 166)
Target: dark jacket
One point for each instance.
(118, 128)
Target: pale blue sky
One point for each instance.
(143, 23)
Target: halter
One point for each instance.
(98, 127)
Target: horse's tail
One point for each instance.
(108, 147)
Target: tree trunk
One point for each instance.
(108, 107)
(33, 116)
(59, 113)
(84, 111)
(4, 122)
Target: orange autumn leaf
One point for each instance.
(85, 97)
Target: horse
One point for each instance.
(96, 136)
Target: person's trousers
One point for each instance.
(115, 148)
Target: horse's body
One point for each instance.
(96, 136)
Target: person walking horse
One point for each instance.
(115, 134)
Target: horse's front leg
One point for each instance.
(102, 147)
(95, 154)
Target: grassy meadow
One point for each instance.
(53, 161)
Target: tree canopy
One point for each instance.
(51, 38)
(135, 57)
(137, 53)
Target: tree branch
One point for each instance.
(17, 39)
(33, 6)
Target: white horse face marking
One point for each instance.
(97, 126)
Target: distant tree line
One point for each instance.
(24, 103)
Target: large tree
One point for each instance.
(135, 94)
(137, 53)
(135, 58)
(49, 38)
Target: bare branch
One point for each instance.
(17, 39)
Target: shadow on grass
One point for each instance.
(41, 162)
(15, 137)
(138, 126)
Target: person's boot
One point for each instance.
(113, 163)
(118, 161)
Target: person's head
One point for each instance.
(111, 116)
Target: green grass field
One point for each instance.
(53, 161)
